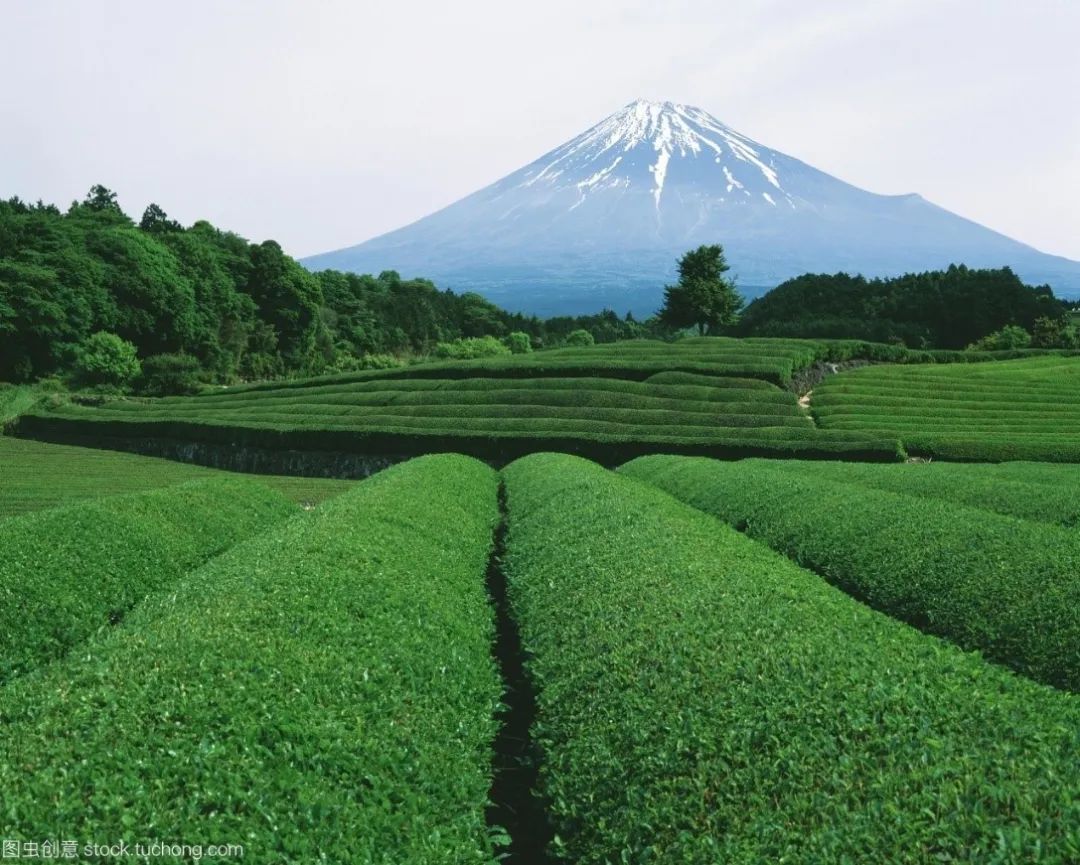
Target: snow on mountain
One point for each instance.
(601, 220)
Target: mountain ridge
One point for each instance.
(601, 219)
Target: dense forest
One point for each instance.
(951, 308)
(90, 294)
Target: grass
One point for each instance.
(323, 692)
(702, 699)
(36, 475)
(68, 572)
(1006, 587)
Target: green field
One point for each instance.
(324, 692)
(704, 700)
(488, 417)
(1006, 410)
(36, 475)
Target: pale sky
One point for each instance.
(326, 122)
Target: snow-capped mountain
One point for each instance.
(601, 220)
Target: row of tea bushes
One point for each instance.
(322, 693)
(1025, 409)
(701, 699)
(1006, 587)
(67, 572)
(1011, 493)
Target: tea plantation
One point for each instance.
(707, 396)
(1027, 409)
(675, 651)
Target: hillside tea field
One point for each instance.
(707, 396)
(1005, 410)
(208, 661)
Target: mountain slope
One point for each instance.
(601, 220)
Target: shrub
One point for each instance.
(170, 375)
(471, 347)
(104, 359)
(518, 342)
(976, 485)
(579, 337)
(701, 699)
(1009, 337)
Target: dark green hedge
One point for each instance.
(67, 572)
(1009, 588)
(494, 447)
(323, 693)
(703, 700)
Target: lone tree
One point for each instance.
(704, 296)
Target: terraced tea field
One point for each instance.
(586, 667)
(1004, 410)
(708, 396)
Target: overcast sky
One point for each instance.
(326, 122)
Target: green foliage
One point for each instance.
(498, 407)
(703, 298)
(703, 700)
(518, 342)
(1008, 588)
(66, 572)
(1009, 337)
(37, 475)
(106, 359)
(579, 337)
(948, 309)
(243, 310)
(170, 375)
(471, 347)
(325, 691)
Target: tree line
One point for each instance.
(89, 290)
(92, 297)
(952, 308)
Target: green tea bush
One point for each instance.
(491, 439)
(323, 693)
(67, 572)
(703, 700)
(959, 484)
(1008, 588)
